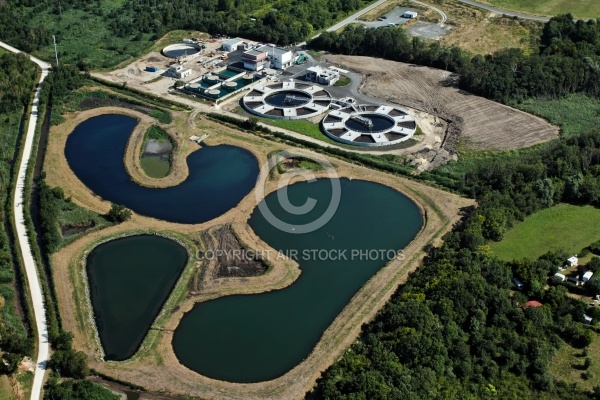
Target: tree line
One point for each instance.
(283, 22)
(17, 82)
(567, 61)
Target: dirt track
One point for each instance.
(480, 124)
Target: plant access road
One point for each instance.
(505, 12)
(35, 289)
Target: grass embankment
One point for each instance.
(579, 9)
(567, 227)
(568, 365)
(575, 113)
(343, 81)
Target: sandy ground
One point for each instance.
(155, 366)
(482, 124)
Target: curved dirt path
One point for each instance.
(437, 10)
(35, 289)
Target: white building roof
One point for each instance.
(572, 260)
(588, 275)
(277, 50)
(232, 42)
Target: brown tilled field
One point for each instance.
(483, 124)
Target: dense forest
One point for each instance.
(282, 21)
(568, 59)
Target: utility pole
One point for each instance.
(55, 52)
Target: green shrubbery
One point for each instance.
(595, 247)
(118, 214)
(76, 390)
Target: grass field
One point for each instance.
(479, 31)
(579, 8)
(6, 392)
(84, 36)
(564, 226)
(567, 365)
(575, 113)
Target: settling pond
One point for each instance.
(251, 338)
(241, 338)
(219, 177)
(130, 279)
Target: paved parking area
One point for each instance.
(393, 17)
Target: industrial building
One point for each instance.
(232, 44)
(254, 60)
(322, 76)
(179, 71)
(280, 58)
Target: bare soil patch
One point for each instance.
(482, 123)
(230, 258)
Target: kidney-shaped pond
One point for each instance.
(130, 279)
(219, 177)
(251, 338)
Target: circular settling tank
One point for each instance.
(288, 99)
(370, 123)
(180, 50)
(230, 85)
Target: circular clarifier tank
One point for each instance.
(370, 123)
(288, 99)
(230, 85)
(180, 50)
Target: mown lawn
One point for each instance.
(301, 126)
(567, 365)
(579, 8)
(564, 226)
(575, 113)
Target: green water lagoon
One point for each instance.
(252, 338)
(130, 279)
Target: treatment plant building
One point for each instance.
(232, 44)
(254, 60)
(280, 58)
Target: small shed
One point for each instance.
(151, 69)
(572, 261)
(560, 276)
(587, 276)
(410, 14)
(587, 319)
